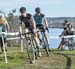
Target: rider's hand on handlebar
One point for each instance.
(47, 29)
(26, 30)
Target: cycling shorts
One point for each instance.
(40, 27)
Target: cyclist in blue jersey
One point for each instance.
(41, 22)
(4, 26)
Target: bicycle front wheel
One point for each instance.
(30, 51)
(71, 44)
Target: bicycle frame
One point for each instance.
(45, 45)
(31, 47)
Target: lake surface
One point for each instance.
(54, 43)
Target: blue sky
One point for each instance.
(51, 8)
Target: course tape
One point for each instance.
(13, 34)
(51, 37)
(57, 37)
(17, 33)
(15, 38)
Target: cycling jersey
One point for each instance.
(26, 20)
(39, 19)
(3, 22)
(69, 30)
(3, 29)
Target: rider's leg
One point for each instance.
(47, 40)
(59, 45)
(46, 37)
(38, 44)
(5, 42)
(38, 35)
(1, 44)
(62, 45)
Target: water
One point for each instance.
(54, 43)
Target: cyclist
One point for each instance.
(62, 43)
(4, 26)
(41, 22)
(29, 22)
(68, 30)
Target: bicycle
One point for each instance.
(32, 50)
(43, 41)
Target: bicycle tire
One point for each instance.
(45, 44)
(35, 50)
(71, 46)
(30, 50)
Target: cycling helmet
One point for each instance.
(37, 10)
(66, 21)
(22, 9)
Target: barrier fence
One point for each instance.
(12, 34)
(18, 37)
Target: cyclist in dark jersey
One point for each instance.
(29, 23)
(67, 31)
(41, 21)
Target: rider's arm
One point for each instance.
(46, 23)
(20, 27)
(33, 23)
(20, 24)
(6, 23)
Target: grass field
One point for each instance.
(57, 60)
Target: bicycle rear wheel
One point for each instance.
(46, 48)
(45, 44)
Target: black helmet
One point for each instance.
(22, 9)
(37, 10)
(66, 21)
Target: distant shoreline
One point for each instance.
(57, 22)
